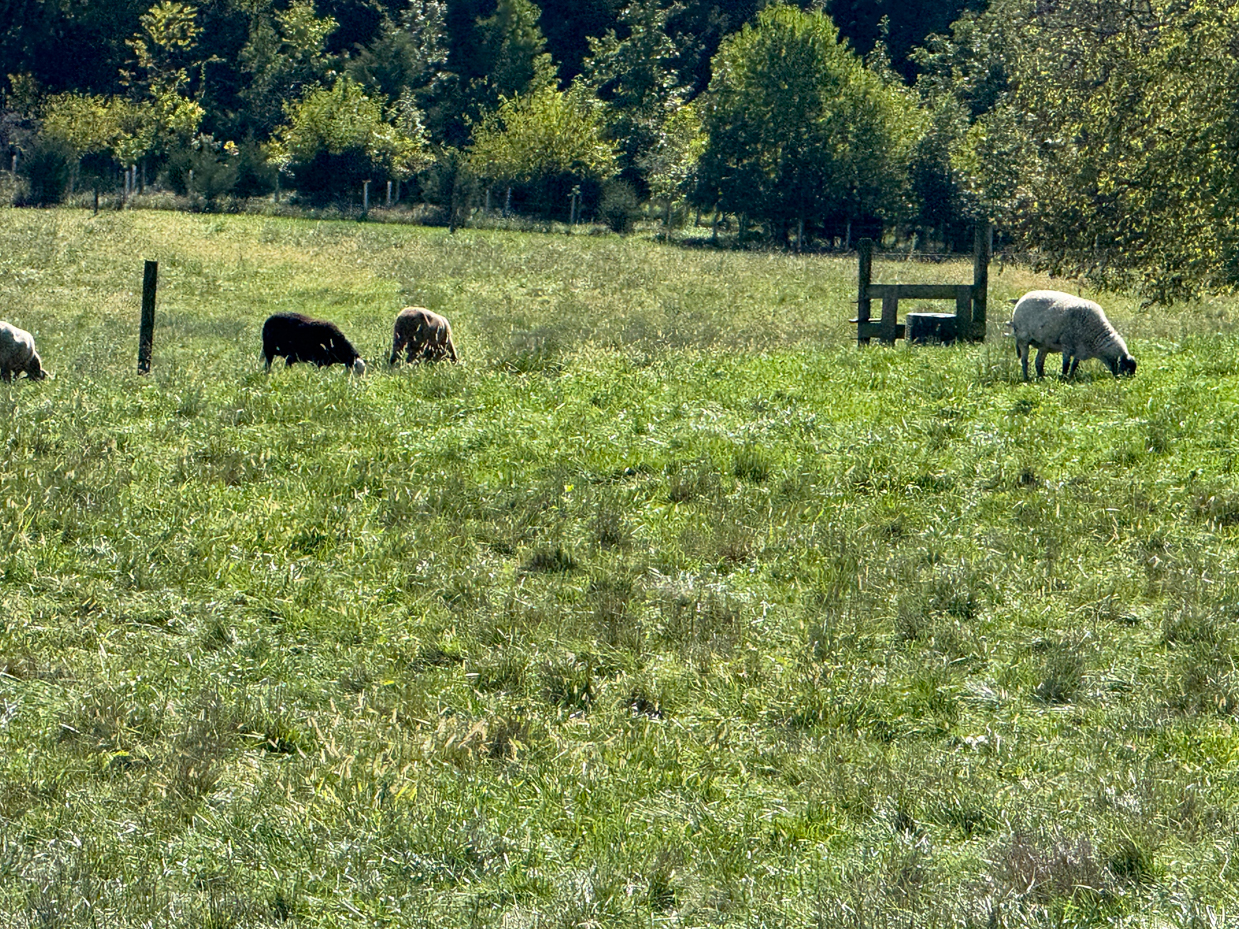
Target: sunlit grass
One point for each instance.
(668, 604)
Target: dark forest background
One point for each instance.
(1098, 135)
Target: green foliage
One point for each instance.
(165, 53)
(337, 138)
(511, 54)
(798, 129)
(1105, 145)
(408, 55)
(619, 206)
(451, 184)
(547, 141)
(111, 126)
(283, 59)
(939, 197)
(256, 175)
(636, 77)
(45, 166)
(215, 169)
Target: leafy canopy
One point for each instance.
(1109, 148)
(797, 128)
(542, 133)
(338, 137)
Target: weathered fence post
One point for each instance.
(146, 335)
(890, 316)
(864, 252)
(365, 197)
(980, 279)
(389, 193)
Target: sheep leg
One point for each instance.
(1041, 353)
(396, 345)
(7, 376)
(1070, 371)
(1066, 365)
(1021, 349)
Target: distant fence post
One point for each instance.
(365, 197)
(982, 245)
(146, 335)
(864, 251)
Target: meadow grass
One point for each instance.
(668, 606)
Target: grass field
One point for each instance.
(668, 606)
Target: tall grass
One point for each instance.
(668, 605)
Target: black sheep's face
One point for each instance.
(1126, 366)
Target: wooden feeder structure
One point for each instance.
(967, 322)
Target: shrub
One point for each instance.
(214, 169)
(256, 175)
(619, 206)
(45, 169)
(336, 139)
(545, 143)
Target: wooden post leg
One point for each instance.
(963, 312)
(890, 313)
(980, 281)
(864, 254)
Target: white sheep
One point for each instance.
(17, 354)
(1051, 321)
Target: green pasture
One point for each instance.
(668, 606)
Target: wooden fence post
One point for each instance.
(980, 280)
(146, 336)
(864, 252)
(890, 315)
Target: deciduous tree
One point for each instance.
(337, 138)
(799, 131)
(545, 142)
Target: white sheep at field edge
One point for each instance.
(17, 354)
(1051, 321)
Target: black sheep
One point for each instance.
(299, 338)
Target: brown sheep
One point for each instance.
(422, 335)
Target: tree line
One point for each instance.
(1100, 136)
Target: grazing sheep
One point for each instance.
(17, 354)
(300, 338)
(423, 335)
(1056, 322)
